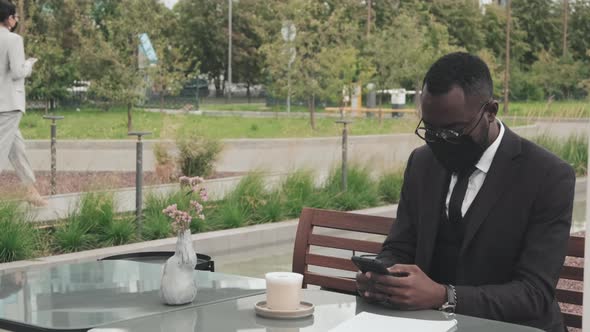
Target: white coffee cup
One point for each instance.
(283, 290)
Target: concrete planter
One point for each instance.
(254, 239)
(61, 205)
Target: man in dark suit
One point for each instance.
(484, 215)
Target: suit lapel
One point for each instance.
(499, 178)
(435, 192)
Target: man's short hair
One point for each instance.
(7, 9)
(460, 69)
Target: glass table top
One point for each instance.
(331, 309)
(84, 295)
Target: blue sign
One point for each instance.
(145, 46)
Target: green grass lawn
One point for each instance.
(556, 109)
(569, 109)
(97, 124)
(255, 107)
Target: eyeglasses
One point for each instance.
(431, 135)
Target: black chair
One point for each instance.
(204, 262)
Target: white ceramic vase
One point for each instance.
(178, 284)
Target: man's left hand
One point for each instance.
(414, 292)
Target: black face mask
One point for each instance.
(14, 27)
(457, 157)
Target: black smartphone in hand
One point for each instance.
(369, 264)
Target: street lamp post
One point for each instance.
(289, 32)
(229, 51)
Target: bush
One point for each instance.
(229, 214)
(390, 186)
(574, 150)
(270, 210)
(73, 235)
(161, 154)
(119, 231)
(97, 211)
(362, 190)
(17, 235)
(156, 227)
(197, 155)
(298, 191)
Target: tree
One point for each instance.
(322, 28)
(463, 19)
(559, 77)
(416, 47)
(494, 28)
(54, 39)
(110, 55)
(203, 33)
(249, 21)
(579, 29)
(541, 20)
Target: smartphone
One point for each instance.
(369, 264)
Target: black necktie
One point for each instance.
(458, 195)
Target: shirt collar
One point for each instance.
(485, 162)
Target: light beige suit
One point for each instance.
(13, 71)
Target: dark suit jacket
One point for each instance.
(516, 238)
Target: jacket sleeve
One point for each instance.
(532, 289)
(19, 68)
(400, 245)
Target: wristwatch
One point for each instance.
(449, 306)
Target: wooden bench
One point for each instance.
(575, 250)
(311, 220)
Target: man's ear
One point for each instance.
(492, 110)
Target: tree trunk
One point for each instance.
(218, 87)
(21, 12)
(162, 101)
(248, 92)
(507, 64)
(311, 106)
(46, 106)
(129, 117)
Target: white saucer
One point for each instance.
(305, 309)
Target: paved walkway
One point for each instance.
(243, 155)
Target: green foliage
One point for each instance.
(559, 77)
(73, 235)
(574, 150)
(229, 214)
(97, 210)
(18, 236)
(579, 29)
(463, 19)
(421, 43)
(119, 231)
(390, 186)
(362, 191)
(197, 155)
(156, 227)
(270, 210)
(297, 189)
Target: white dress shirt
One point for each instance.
(479, 175)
